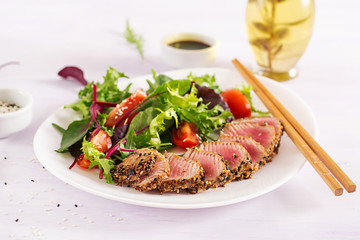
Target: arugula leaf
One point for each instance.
(247, 93)
(209, 80)
(97, 158)
(107, 91)
(133, 38)
(75, 131)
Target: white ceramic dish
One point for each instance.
(16, 121)
(185, 58)
(284, 166)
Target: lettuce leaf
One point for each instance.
(156, 122)
(191, 108)
(206, 79)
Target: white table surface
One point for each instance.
(44, 36)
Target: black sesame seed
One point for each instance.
(58, 205)
(5, 158)
(16, 220)
(76, 205)
(5, 183)
(32, 180)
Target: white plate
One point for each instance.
(284, 166)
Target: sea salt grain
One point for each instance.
(6, 107)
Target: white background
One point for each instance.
(44, 36)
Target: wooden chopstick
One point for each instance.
(303, 140)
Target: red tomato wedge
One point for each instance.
(124, 108)
(237, 102)
(186, 135)
(82, 161)
(101, 141)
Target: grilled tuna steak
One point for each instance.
(268, 121)
(185, 174)
(137, 164)
(236, 155)
(156, 176)
(216, 168)
(257, 152)
(144, 169)
(264, 134)
(265, 121)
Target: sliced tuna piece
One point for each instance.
(185, 174)
(265, 135)
(137, 164)
(237, 156)
(216, 168)
(156, 176)
(257, 152)
(266, 121)
(278, 127)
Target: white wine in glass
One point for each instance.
(279, 32)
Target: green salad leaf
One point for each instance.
(59, 128)
(247, 93)
(102, 121)
(139, 122)
(107, 91)
(158, 81)
(155, 122)
(162, 122)
(98, 159)
(191, 108)
(206, 79)
(75, 131)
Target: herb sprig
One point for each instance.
(133, 38)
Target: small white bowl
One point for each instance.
(13, 122)
(187, 58)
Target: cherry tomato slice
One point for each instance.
(186, 135)
(124, 108)
(82, 161)
(101, 141)
(237, 102)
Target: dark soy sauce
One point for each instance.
(189, 45)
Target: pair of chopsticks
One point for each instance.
(318, 158)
